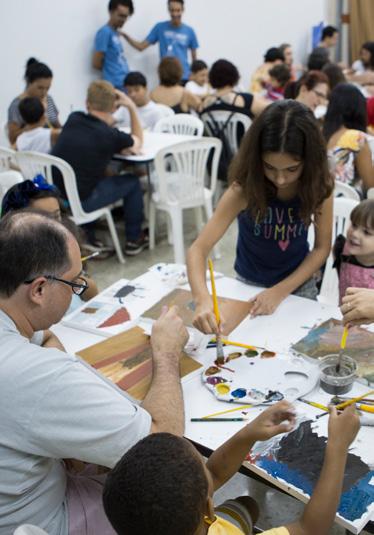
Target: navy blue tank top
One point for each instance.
(270, 249)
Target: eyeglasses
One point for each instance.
(77, 287)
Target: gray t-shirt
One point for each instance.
(53, 407)
(14, 115)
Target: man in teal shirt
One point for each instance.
(174, 37)
(109, 55)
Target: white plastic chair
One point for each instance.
(7, 180)
(238, 123)
(330, 283)
(7, 158)
(28, 529)
(183, 186)
(180, 123)
(346, 191)
(166, 110)
(32, 163)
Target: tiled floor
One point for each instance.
(276, 508)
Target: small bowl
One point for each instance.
(333, 383)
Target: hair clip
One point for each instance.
(40, 183)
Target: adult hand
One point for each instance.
(280, 418)
(266, 302)
(358, 306)
(123, 100)
(169, 335)
(204, 319)
(343, 427)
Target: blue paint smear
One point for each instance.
(353, 504)
(239, 393)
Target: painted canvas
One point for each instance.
(100, 317)
(296, 460)
(233, 310)
(126, 359)
(324, 339)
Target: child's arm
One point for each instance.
(365, 167)
(55, 132)
(267, 301)
(227, 209)
(319, 513)
(226, 460)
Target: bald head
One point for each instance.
(31, 244)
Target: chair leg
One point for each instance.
(114, 235)
(152, 224)
(209, 212)
(176, 215)
(198, 218)
(169, 228)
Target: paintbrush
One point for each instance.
(240, 408)
(218, 419)
(92, 255)
(219, 349)
(342, 347)
(349, 402)
(314, 404)
(238, 344)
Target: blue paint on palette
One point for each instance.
(353, 504)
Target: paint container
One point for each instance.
(333, 382)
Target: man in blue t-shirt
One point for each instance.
(108, 55)
(174, 37)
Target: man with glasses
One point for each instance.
(52, 406)
(109, 55)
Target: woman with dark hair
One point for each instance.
(223, 77)
(38, 77)
(260, 77)
(279, 185)
(335, 75)
(366, 61)
(311, 90)
(345, 133)
(170, 92)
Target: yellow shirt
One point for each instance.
(223, 527)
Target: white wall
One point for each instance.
(60, 33)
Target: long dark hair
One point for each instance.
(347, 108)
(35, 70)
(369, 46)
(287, 127)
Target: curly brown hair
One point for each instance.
(287, 127)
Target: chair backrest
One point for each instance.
(28, 529)
(370, 193)
(330, 284)
(7, 180)
(183, 181)
(346, 191)
(33, 163)
(165, 110)
(7, 158)
(180, 123)
(233, 125)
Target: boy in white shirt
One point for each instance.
(149, 112)
(35, 137)
(198, 84)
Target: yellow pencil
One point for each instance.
(349, 402)
(314, 404)
(237, 344)
(242, 407)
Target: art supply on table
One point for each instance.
(336, 400)
(255, 377)
(220, 353)
(337, 382)
(342, 347)
(349, 402)
(226, 342)
(218, 419)
(241, 408)
(88, 257)
(314, 404)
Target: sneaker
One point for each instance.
(133, 248)
(97, 245)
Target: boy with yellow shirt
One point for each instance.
(162, 486)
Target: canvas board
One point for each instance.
(126, 360)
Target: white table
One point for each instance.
(153, 142)
(286, 326)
